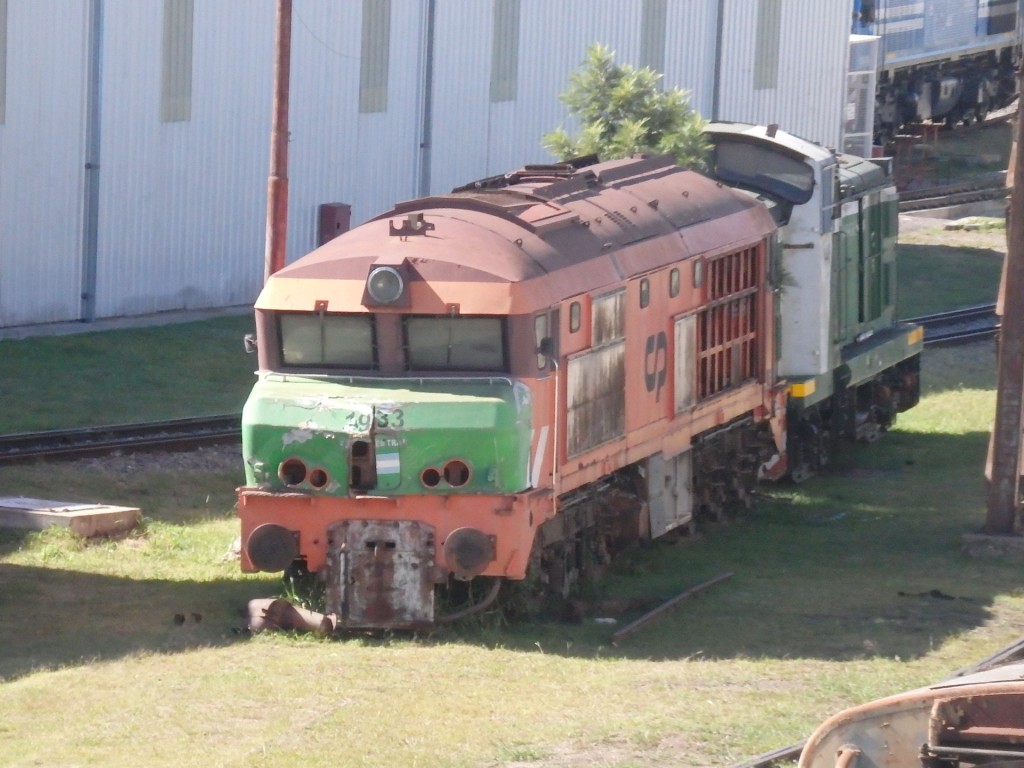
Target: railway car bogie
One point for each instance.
(942, 63)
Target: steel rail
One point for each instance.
(177, 434)
(959, 325)
(923, 200)
(986, 181)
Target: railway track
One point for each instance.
(956, 326)
(179, 434)
(989, 187)
(959, 325)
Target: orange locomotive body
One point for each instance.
(520, 376)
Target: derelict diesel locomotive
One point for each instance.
(527, 374)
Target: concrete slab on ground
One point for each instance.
(84, 519)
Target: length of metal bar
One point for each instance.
(783, 754)
(667, 606)
(1004, 450)
(277, 183)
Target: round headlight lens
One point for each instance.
(385, 285)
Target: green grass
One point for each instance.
(829, 605)
(125, 376)
(939, 270)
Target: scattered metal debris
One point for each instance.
(768, 759)
(278, 614)
(662, 609)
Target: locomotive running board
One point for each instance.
(380, 574)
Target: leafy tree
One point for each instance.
(622, 111)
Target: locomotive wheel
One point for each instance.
(981, 111)
(811, 452)
(549, 589)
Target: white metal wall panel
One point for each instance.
(461, 112)
(475, 137)
(814, 39)
(337, 154)
(554, 44)
(182, 203)
(480, 138)
(41, 165)
(690, 51)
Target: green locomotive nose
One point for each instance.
(386, 437)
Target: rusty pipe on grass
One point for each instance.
(278, 614)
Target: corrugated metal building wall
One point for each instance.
(788, 67)
(181, 182)
(143, 189)
(41, 146)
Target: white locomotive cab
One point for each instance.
(805, 294)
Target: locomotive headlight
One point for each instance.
(385, 285)
(468, 552)
(272, 548)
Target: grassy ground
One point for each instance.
(831, 603)
(960, 270)
(125, 376)
(845, 588)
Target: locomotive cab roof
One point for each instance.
(527, 239)
(754, 157)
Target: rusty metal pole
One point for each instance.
(1005, 446)
(277, 183)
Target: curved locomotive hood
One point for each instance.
(970, 716)
(528, 239)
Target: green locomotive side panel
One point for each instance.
(387, 436)
(864, 268)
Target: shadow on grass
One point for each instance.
(937, 278)
(862, 561)
(55, 618)
(12, 539)
(960, 366)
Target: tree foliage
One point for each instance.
(623, 111)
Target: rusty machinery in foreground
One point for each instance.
(968, 721)
(523, 376)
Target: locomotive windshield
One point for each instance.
(455, 343)
(763, 169)
(431, 343)
(331, 341)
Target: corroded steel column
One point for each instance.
(1005, 446)
(277, 183)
